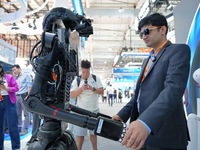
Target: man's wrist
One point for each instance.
(148, 128)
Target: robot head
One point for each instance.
(196, 75)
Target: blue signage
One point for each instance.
(126, 70)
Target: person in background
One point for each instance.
(110, 95)
(105, 95)
(131, 91)
(5, 122)
(87, 98)
(8, 87)
(157, 118)
(115, 96)
(119, 95)
(24, 82)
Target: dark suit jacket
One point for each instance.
(160, 100)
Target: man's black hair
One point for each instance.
(16, 66)
(85, 64)
(155, 19)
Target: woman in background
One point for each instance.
(8, 87)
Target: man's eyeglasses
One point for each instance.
(147, 31)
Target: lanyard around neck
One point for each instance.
(155, 52)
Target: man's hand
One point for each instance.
(86, 87)
(76, 93)
(135, 136)
(116, 117)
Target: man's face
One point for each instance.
(16, 71)
(151, 35)
(85, 73)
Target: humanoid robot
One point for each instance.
(55, 63)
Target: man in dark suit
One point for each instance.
(157, 118)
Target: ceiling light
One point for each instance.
(116, 59)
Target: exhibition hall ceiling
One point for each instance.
(114, 25)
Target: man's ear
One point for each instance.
(163, 30)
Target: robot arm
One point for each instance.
(54, 66)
